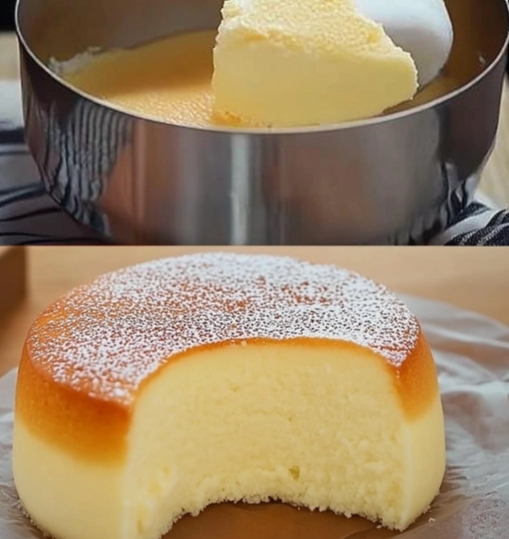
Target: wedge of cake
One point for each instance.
(163, 388)
(312, 62)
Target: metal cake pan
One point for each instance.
(391, 179)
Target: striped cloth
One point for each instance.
(28, 215)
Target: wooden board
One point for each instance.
(13, 278)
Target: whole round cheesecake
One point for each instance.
(162, 388)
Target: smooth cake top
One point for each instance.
(106, 337)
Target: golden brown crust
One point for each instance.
(79, 423)
(417, 380)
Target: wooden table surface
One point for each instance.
(475, 279)
(495, 179)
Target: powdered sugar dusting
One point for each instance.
(105, 338)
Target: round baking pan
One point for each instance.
(138, 180)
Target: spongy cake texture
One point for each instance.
(165, 387)
(304, 28)
(306, 62)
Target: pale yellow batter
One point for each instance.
(167, 79)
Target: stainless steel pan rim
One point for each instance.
(398, 178)
(378, 120)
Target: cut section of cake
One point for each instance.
(312, 62)
(163, 388)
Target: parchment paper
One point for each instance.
(472, 354)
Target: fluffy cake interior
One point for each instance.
(312, 62)
(324, 426)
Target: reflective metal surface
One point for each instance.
(386, 180)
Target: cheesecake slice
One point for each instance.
(304, 63)
(163, 388)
